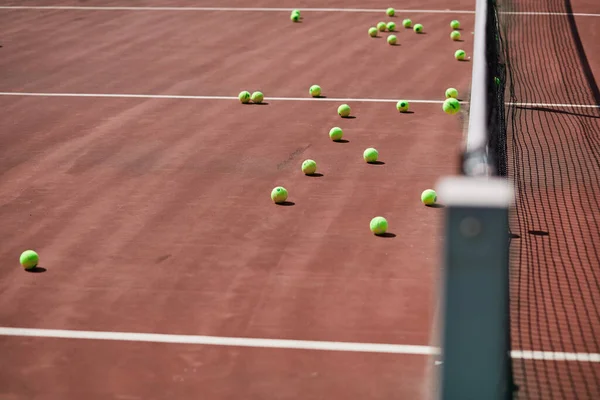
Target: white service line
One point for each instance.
(184, 97)
(276, 343)
(277, 9)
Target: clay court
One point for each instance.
(128, 163)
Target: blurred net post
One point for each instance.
(475, 319)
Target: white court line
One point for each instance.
(267, 99)
(184, 97)
(276, 343)
(275, 9)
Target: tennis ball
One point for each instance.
(497, 80)
(257, 97)
(309, 167)
(390, 12)
(29, 259)
(455, 24)
(370, 155)
(392, 39)
(391, 26)
(315, 90)
(451, 92)
(336, 133)
(455, 35)
(372, 31)
(428, 197)
(296, 12)
(295, 16)
(402, 106)
(407, 23)
(451, 106)
(378, 225)
(381, 26)
(459, 55)
(418, 28)
(279, 195)
(344, 110)
(244, 97)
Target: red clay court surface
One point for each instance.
(153, 215)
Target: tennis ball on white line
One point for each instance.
(257, 97)
(279, 195)
(378, 225)
(315, 90)
(381, 26)
(402, 106)
(244, 97)
(309, 167)
(391, 26)
(370, 155)
(29, 259)
(336, 133)
(459, 55)
(455, 24)
(392, 39)
(455, 35)
(418, 28)
(296, 12)
(451, 106)
(451, 92)
(344, 110)
(372, 31)
(390, 12)
(407, 23)
(428, 197)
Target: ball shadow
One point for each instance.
(264, 103)
(315, 175)
(36, 270)
(407, 112)
(387, 235)
(459, 40)
(341, 141)
(286, 204)
(465, 60)
(394, 44)
(349, 117)
(376, 163)
(320, 97)
(435, 205)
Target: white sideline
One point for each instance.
(275, 343)
(276, 9)
(267, 99)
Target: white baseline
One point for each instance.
(276, 9)
(276, 343)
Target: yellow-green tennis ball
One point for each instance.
(309, 167)
(295, 17)
(418, 28)
(451, 106)
(428, 197)
(390, 12)
(381, 26)
(407, 23)
(459, 55)
(279, 195)
(344, 110)
(370, 155)
(257, 97)
(336, 133)
(244, 97)
(373, 31)
(315, 90)
(378, 225)
(29, 259)
(402, 106)
(497, 80)
(451, 92)
(455, 35)
(296, 12)
(391, 26)
(392, 39)
(455, 24)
